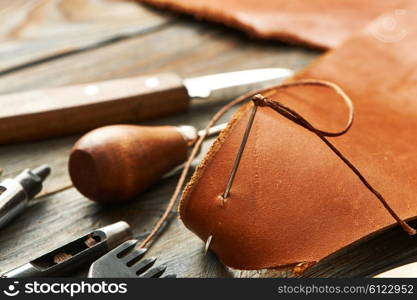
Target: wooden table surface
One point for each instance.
(48, 43)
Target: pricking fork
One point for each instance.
(125, 261)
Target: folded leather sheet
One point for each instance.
(293, 200)
(316, 23)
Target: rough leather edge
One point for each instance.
(297, 268)
(215, 147)
(221, 18)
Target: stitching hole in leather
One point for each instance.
(221, 200)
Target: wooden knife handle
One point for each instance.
(61, 111)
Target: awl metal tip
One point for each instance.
(207, 245)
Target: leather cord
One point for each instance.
(297, 118)
(194, 152)
(292, 115)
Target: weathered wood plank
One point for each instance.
(37, 30)
(184, 47)
(55, 152)
(189, 49)
(54, 220)
(13, 159)
(369, 256)
(202, 49)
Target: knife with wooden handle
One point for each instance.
(39, 114)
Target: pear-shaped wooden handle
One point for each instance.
(115, 163)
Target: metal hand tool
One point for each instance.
(15, 193)
(64, 110)
(74, 255)
(125, 261)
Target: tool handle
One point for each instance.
(114, 164)
(61, 111)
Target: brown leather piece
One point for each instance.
(293, 200)
(316, 23)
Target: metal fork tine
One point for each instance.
(143, 265)
(154, 272)
(114, 263)
(133, 256)
(124, 248)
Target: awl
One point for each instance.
(113, 164)
(60, 111)
(75, 255)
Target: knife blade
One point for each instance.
(234, 84)
(38, 114)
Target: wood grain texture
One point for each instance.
(51, 221)
(37, 30)
(185, 47)
(203, 50)
(188, 48)
(68, 215)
